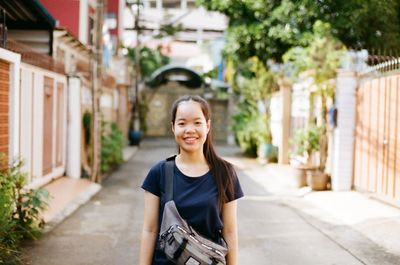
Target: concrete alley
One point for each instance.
(276, 224)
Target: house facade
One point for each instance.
(46, 87)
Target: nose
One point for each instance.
(189, 128)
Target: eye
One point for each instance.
(181, 123)
(198, 122)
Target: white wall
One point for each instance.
(74, 128)
(83, 21)
(343, 142)
(31, 122)
(15, 60)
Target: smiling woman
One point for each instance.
(190, 127)
(205, 186)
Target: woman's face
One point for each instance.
(190, 127)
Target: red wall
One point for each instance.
(66, 12)
(112, 7)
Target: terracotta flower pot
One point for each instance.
(300, 175)
(317, 180)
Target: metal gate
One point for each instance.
(377, 136)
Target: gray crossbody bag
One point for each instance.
(179, 241)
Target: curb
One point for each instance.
(83, 198)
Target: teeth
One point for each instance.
(190, 139)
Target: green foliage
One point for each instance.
(149, 60)
(168, 30)
(87, 125)
(19, 212)
(268, 29)
(143, 110)
(112, 145)
(254, 81)
(255, 84)
(213, 73)
(321, 55)
(306, 141)
(321, 59)
(248, 127)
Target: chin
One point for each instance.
(190, 148)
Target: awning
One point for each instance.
(27, 14)
(181, 74)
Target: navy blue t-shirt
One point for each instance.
(196, 199)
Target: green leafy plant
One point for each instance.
(149, 60)
(254, 84)
(87, 124)
(306, 141)
(268, 29)
(143, 110)
(169, 30)
(20, 212)
(249, 128)
(112, 145)
(320, 59)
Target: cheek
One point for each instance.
(176, 130)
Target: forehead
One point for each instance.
(189, 109)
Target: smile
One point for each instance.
(190, 139)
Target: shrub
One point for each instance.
(249, 128)
(111, 148)
(19, 212)
(306, 141)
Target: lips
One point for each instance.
(190, 140)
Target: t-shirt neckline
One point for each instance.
(191, 177)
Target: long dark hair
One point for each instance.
(222, 170)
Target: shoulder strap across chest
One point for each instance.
(169, 179)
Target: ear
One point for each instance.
(208, 126)
(172, 127)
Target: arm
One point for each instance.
(150, 228)
(229, 231)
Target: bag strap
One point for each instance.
(169, 179)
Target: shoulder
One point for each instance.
(158, 167)
(154, 178)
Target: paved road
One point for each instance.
(272, 228)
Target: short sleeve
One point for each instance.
(237, 188)
(152, 181)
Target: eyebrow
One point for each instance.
(183, 119)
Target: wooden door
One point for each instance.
(4, 107)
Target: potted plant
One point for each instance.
(135, 134)
(266, 151)
(306, 143)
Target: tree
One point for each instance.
(321, 59)
(268, 28)
(255, 85)
(149, 60)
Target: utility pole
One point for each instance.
(97, 64)
(135, 113)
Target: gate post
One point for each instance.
(343, 140)
(73, 167)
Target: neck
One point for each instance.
(191, 158)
